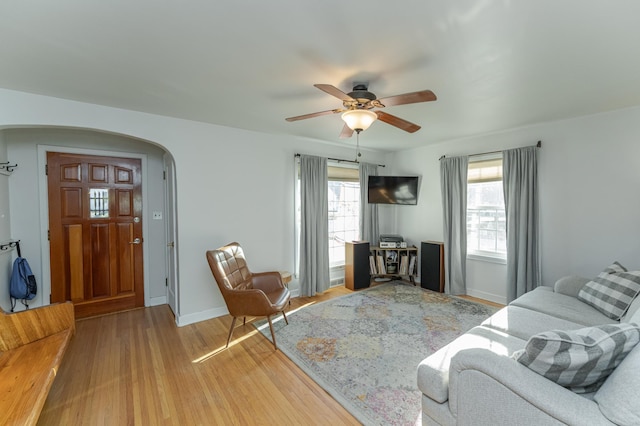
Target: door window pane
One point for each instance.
(98, 203)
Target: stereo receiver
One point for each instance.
(389, 244)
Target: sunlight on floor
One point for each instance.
(232, 343)
(309, 303)
(240, 339)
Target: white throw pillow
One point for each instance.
(612, 291)
(579, 359)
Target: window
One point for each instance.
(344, 211)
(486, 221)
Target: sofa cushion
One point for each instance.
(524, 323)
(433, 371)
(579, 359)
(618, 397)
(612, 291)
(561, 306)
(635, 317)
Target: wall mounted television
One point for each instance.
(393, 190)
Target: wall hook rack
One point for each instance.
(8, 166)
(9, 245)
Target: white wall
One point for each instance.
(237, 185)
(589, 176)
(6, 256)
(232, 185)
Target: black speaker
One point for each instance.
(432, 266)
(356, 265)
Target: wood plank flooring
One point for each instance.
(139, 368)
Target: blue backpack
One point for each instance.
(23, 283)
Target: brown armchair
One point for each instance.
(244, 292)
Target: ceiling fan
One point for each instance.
(357, 111)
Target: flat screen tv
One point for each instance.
(393, 190)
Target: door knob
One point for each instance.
(136, 241)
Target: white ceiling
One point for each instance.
(250, 64)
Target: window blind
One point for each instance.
(489, 170)
(338, 173)
(343, 174)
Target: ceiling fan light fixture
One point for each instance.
(359, 119)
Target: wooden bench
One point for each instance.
(32, 344)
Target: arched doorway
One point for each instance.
(29, 147)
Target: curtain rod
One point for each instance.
(344, 161)
(538, 145)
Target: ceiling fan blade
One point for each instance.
(409, 98)
(334, 91)
(314, 114)
(346, 132)
(398, 122)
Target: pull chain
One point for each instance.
(358, 145)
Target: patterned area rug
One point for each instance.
(364, 348)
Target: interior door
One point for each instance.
(171, 258)
(95, 232)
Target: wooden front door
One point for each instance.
(95, 232)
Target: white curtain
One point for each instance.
(520, 182)
(314, 226)
(453, 181)
(369, 225)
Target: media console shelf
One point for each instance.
(394, 262)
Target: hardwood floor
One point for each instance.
(485, 302)
(139, 368)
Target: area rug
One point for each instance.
(364, 348)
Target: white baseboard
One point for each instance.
(487, 296)
(156, 301)
(183, 320)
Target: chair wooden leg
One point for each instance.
(233, 323)
(273, 335)
(285, 317)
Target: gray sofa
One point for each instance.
(474, 380)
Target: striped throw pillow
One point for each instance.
(580, 359)
(612, 291)
(614, 267)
